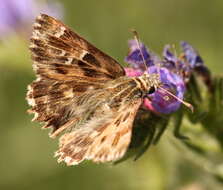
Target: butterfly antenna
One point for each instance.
(180, 100)
(136, 36)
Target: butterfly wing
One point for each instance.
(66, 66)
(101, 139)
(61, 54)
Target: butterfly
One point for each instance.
(82, 94)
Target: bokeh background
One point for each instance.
(26, 152)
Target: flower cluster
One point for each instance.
(18, 15)
(174, 72)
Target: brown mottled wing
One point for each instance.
(66, 66)
(61, 54)
(102, 139)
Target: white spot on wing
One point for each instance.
(67, 159)
(32, 45)
(36, 24)
(35, 67)
(75, 162)
(31, 101)
(62, 53)
(36, 34)
(30, 89)
(90, 88)
(84, 52)
(61, 32)
(69, 61)
(36, 115)
(39, 17)
(69, 93)
(38, 79)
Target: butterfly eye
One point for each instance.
(152, 90)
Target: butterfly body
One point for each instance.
(83, 93)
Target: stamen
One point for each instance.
(180, 100)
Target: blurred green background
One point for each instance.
(26, 160)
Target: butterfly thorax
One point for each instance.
(126, 88)
(119, 91)
(148, 82)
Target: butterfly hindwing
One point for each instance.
(101, 139)
(103, 123)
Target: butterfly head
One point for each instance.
(152, 82)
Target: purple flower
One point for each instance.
(186, 63)
(195, 63)
(18, 15)
(134, 57)
(191, 55)
(169, 57)
(171, 61)
(160, 101)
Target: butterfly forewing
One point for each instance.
(66, 66)
(57, 49)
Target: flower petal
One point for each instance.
(134, 56)
(130, 72)
(191, 55)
